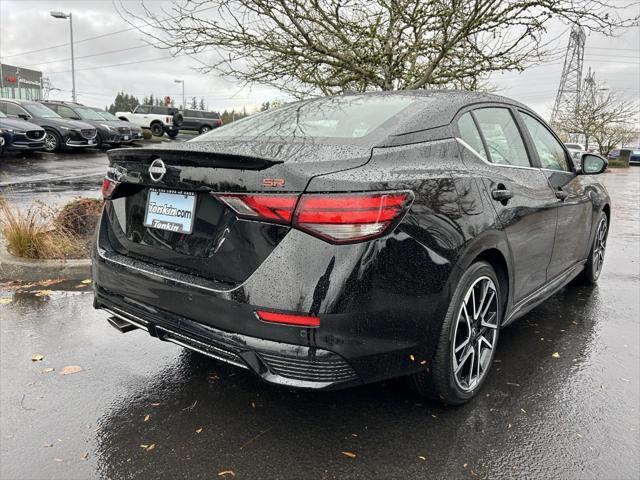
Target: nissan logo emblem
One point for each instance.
(157, 170)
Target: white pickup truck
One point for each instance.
(159, 120)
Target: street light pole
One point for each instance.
(184, 105)
(73, 67)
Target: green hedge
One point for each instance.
(619, 163)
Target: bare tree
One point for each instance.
(600, 115)
(332, 46)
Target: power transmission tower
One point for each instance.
(569, 90)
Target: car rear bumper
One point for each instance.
(368, 331)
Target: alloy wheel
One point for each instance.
(600, 246)
(50, 142)
(476, 333)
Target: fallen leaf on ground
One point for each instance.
(58, 460)
(423, 362)
(151, 447)
(349, 454)
(523, 410)
(48, 370)
(80, 286)
(5, 301)
(87, 281)
(37, 358)
(555, 355)
(144, 445)
(465, 465)
(69, 369)
(199, 430)
(422, 458)
(48, 445)
(354, 434)
(43, 293)
(412, 358)
(154, 404)
(225, 473)
(85, 455)
(147, 417)
(253, 404)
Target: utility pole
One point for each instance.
(184, 105)
(73, 67)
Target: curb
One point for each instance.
(31, 270)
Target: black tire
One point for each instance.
(157, 129)
(177, 119)
(173, 133)
(99, 141)
(52, 141)
(593, 267)
(205, 129)
(438, 381)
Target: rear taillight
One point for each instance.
(347, 218)
(337, 218)
(273, 208)
(108, 187)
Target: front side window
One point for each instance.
(13, 109)
(502, 137)
(470, 134)
(550, 151)
(143, 110)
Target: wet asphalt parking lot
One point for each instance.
(140, 408)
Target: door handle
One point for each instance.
(502, 195)
(561, 195)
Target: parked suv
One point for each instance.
(21, 135)
(105, 133)
(136, 131)
(200, 121)
(59, 132)
(159, 120)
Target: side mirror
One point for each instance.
(24, 116)
(75, 118)
(592, 164)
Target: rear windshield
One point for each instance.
(338, 117)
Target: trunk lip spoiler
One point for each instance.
(194, 158)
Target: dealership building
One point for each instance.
(20, 83)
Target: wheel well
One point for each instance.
(495, 258)
(156, 121)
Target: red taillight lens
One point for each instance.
(337, 218)
(108, 187)
(288, 319)
(347, 218)
(274, 208)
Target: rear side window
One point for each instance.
(550, 151)
(470, 134)
(502, 136)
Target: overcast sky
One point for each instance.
(26, 25)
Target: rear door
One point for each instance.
(572, 201)
(190, 120)
(517, 189)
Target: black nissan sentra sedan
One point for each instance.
(346, 240)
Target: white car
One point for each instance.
(576, 150)
(159, 120)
